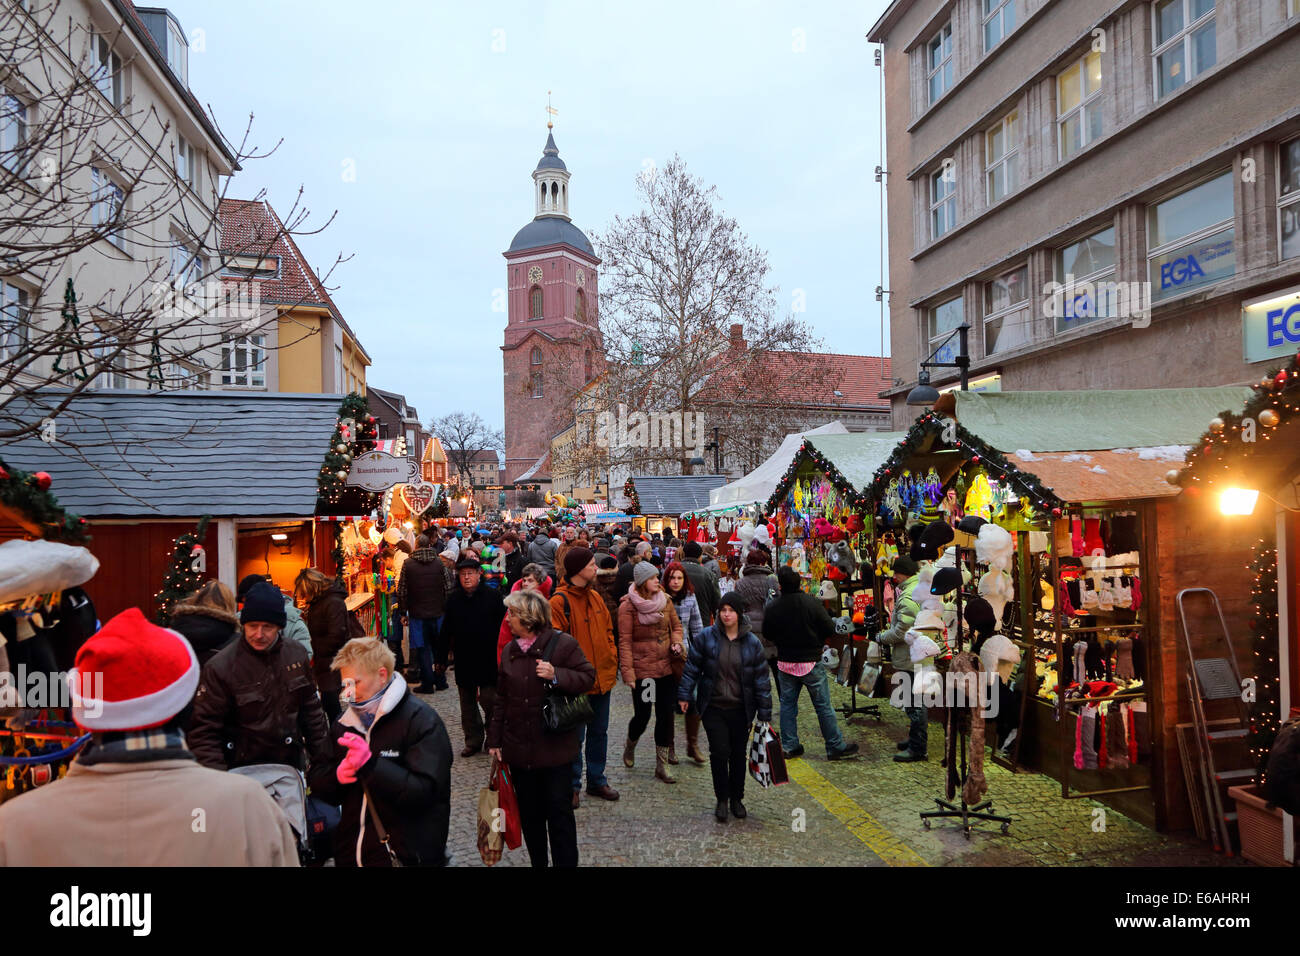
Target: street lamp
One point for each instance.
(925, 394)
(714, 447)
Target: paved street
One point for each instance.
(859, 812)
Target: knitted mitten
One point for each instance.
(1092, 542)
(1076, 539)
(1078, 742)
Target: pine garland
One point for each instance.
(354, 434)
(181, 580)
(1266, 709)
(28, 493)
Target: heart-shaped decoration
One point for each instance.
(419, 496)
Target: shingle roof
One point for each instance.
(675, 494)
(247, 228)
(182, 454)
(859, 378)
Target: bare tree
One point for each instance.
(688, 324)
(111, 258)
(464, 436)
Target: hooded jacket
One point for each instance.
(905, 610)
(542, 551)
(422, 586)
(700, 674)
(408, 776)
(516, 723)
(757, 586)
(506, 635)
(208, 629)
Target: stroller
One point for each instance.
(288, 789)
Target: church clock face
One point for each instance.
(581, 278)
(535, 274)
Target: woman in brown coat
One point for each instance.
(539, 761)
(649, 636)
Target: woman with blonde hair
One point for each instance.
(208, 619)
(324, 604)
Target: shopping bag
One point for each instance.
(509, 805)
(776, 760)
(760, 760)
(870, 677)
(491, 832)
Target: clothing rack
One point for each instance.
(968, 814)
(852, 709)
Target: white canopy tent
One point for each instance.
(757, 486)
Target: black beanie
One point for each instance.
(693, 549)
(945, 581)
(248, 581)
(263, 604)
(904, 564)
(979, 614)
(734, 601)
(789, 580)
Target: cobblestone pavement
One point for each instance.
(860, 812)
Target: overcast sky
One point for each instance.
(439, 109)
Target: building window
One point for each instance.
(186, 171)
(943, 201)
(1078, 105)
(535, 301)
(1289, 198)
(942, 320)
(1086, 270)
(13, 132)
(106, 70)
(1185, 42)
(535, 356)
(999, 20)
(186, 266)
(586, 365)
(938, 62)
(107, 201)
(1006, 311)
(181, 377)
(112, 360)
(15, 320)
(1001, 151)
(178, 53)
(537, 385)
(1191, 238)
(243, 362)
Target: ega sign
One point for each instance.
(1270, 326)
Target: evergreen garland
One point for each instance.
(28, 493)
(354, 434)
(181, 580)
(1266, 709)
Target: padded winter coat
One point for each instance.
(706, 588)
(757, 586)
(905, 610)
(645, 650)
(471, 623)
(542, 551)
(422, 586)
(208, 629)
(516, 724)
(701, 674)
(581, 612)
(327, 621)
(798, 625)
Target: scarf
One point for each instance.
(135, 746)
(648, 610)
(368, 709)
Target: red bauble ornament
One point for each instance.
(975, 458)
(43, 480)
(1056, 512)
(1280, 378)
(4, 474)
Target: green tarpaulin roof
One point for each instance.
(1093, 420)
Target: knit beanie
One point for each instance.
(132, 675)
(789, 580)
(693, 549)
(263, 604)
(734, 601)
(642, 571)
(248, 581)
(904, 565)
(577, 558)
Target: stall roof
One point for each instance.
(674, 494)
(133, 453)
(857, 456)
(758, 485)
(1110, 475)
(1094, 420)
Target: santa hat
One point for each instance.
(132, 675)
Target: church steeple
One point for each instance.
(551, 181)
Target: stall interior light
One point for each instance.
(407, 525)
(279, 536)
(1238, 501)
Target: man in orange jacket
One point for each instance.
(577, 608)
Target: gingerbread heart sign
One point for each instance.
(419, 496)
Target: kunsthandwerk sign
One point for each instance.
(379, 471)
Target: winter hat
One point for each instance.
(994, 545)
(734, 601)
(577, 558)
(945, 580)
(263, 604)
(905, 565)
(979, 614)
(999, 647)
(827, 591)
(132, 675)
(642, 571)
(693, 549)
(926, 619)
(933, 539)
(247, 582)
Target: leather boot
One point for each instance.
(672, 751)
(693, 738)
(629, 752)
(661, 765)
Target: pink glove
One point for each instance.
(358, 754)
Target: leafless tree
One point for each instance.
(124, 276)
(464, 436)
(677, 276)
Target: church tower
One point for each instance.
(552, 346)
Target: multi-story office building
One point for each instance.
(1107, 192)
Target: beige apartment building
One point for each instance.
(1106, 193)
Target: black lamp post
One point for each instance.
(925, 394)
(716, 449)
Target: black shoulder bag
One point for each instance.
(563, 712)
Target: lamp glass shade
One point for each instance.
(924, 395)
(1238, 501)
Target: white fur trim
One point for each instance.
(147, 711)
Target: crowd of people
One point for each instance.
(257, 677)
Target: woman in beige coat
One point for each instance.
(649, 636)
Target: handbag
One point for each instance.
(491, 837)
(563, 712)
(508, 803)
(766, 758)
(379, 828)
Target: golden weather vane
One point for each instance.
(550, 111)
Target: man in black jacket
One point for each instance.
(422, 597)
(707, 592)
(799, 626)
(392, 761)
(257, 702)
(471, 624)
(515, 561)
